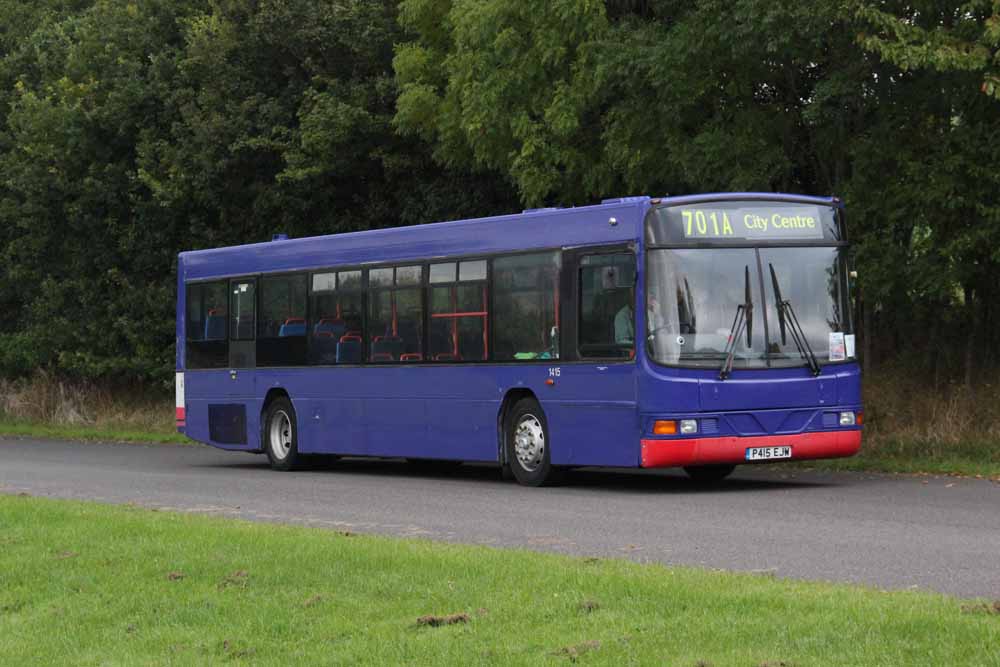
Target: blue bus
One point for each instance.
(698, 331)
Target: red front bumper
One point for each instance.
(732, 449)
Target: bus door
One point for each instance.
(242, 339)
(596, 418)
(234, 421)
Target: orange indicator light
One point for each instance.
(665, 427)
(858, 419)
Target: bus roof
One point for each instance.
(538, 228)
(533, 228)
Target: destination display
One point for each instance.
(742, 221)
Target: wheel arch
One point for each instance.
(510, 399)
(272, 394)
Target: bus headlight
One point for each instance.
(689, 426)
(847, 418)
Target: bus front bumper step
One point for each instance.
(733, 449)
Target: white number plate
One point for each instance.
(768, 453)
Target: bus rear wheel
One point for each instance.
(526, 439)
(709, 474)
(281, 435)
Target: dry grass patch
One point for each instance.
(46, 399)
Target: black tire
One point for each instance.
(280, 433)
(709, 474)
(534, 465)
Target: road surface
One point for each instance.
(893, 532)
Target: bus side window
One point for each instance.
(607, 306)
(281, 328)
(526, 303)
(206, 342)
(336, 326)
(395, 314)
(459, 330)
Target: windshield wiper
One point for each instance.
(742, 320)
(788, 320)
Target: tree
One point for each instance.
(938, 36)
(139, 129)
(581, 100)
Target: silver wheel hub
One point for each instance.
(529, 442)
(280, 434)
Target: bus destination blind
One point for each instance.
(729, 221)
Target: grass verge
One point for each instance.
(45, 406)
(89, 433)
(911, 463)
(88, 584)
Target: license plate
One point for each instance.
(768, 453)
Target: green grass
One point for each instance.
(914, 463)
(89, 584)
(971, 458)
(89, 433)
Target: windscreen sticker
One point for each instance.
(838, 351)
(849, 344)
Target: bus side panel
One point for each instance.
(219, 411)
(592, 414)
(462, 404)
(328, 406)
(419, 411)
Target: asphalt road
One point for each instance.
(887, 531)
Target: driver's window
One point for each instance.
(607, 306)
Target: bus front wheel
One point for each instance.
(709, 474)
(527, 444)
(281, 435)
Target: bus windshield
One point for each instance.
(694, 295)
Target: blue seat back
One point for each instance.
(215, 327)
(335, 328)
(294, 329)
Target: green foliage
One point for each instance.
(507, 91)
(131, 130)
(879, 104)
(135, 130)
(942, 36)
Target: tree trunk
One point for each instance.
(972, 308)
